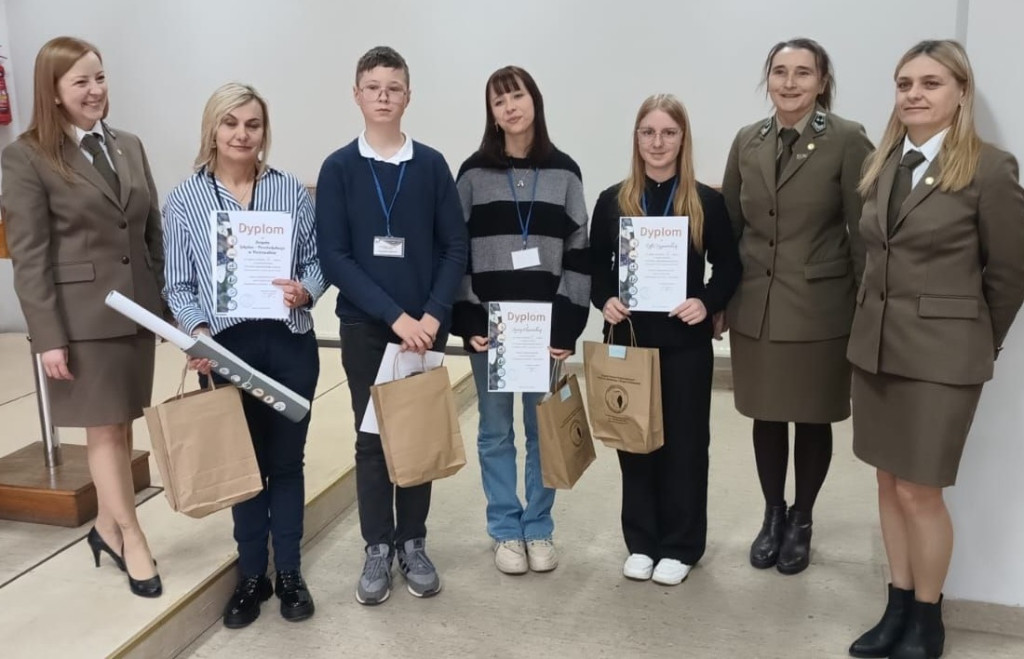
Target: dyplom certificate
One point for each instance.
(519, 335)
(250, 249)
(652, 262)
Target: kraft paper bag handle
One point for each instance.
(394, 366)
(556, 375)
(181, 385)
(632, 333)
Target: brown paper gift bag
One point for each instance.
(419, 429)
(566, 447)
(624, 395)
(203, 450)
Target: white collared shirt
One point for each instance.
(97, 130)
(930, 151)
(403, 154)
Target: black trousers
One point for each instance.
(387, 514)
(665, 493)
(276, 512)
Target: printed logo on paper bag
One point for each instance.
(616, 399)
(576, 433)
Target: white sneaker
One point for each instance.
(638, 566)
(510, 557)
(670, 572)
(541, 555)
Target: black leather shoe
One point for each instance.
(764, 552)
(296, 602)
(795, 552)
(244, 606)
(151, 587)
(880, 639)
(98, 544)
(925, 635)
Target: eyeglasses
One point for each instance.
(374, 92)
(668, 135)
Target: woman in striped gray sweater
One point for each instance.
(519, 194)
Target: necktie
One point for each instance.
(903, 184)
(99, 160)
(789, 136)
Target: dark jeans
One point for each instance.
(276, 512)
(387, 514)
(665, 493)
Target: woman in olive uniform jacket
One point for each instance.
(82, 220)
(791, 189)
(943, 228)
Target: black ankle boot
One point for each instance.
(795, 552)
(764, 552)
(296, 602)
(880, 639)
(925, 636)
(244, 606)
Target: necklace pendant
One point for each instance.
(520, 183)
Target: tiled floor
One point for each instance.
(54, 603)
(585, 608)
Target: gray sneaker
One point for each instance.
(375, 581)
(420, 574)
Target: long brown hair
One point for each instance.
(961, 147)
(492, 145)
(686, 201)
(50, 122)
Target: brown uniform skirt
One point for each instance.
(912, 429)
(792, 381)
(113, 382)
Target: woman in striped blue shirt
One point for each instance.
(232, 175)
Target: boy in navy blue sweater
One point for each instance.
(391, 237)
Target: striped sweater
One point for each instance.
(557, 228)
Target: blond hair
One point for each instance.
(50, 121)
(961, 147)
(686, 201)
(223, 100)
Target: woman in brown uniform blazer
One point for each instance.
(943, 227)
(791, 189)
(82, 220)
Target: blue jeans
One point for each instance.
(506, 517)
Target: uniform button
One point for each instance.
(885, 247)
(122, 225)
(769, 273)
(125, 260)
(771, 243)
(771, 213)
(881, 296)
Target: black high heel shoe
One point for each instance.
(97, 545)
(151, 587)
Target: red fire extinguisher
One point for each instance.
(5, 100)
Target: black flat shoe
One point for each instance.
(244, 606)
(764, 552)
(795, 552)
(879, 641)
(296, 602)
(97, 544)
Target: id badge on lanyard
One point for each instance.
(388, 246)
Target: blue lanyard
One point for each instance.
(380, 193)
(668, 205)
(524, 226)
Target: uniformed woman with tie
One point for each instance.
(943, 228)
(82, 220)
(791, 189)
